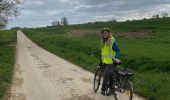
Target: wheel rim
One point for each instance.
(127, 94)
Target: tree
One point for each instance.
(114, 20)
(52, 23)
(55, 23)
(64, 21)
(144, 18)
(155, 16)
(8, 8)
(3, 22)
(128, 20)
(58, 23)
(164, 14)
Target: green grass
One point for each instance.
(7, 59)
(148, 57)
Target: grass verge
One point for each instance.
(7, 59)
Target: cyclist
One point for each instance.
(109, 51)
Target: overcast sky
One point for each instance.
(39, 13)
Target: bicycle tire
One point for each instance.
(97, 79)
(130, 88)
(127, 94)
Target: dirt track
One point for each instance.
(40, 75)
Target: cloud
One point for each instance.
(35, 2)
(41, 12)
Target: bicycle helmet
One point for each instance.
(105, 29)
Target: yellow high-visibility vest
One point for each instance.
(107, 54)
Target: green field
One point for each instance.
(7, 59)
(144, 45)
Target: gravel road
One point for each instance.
(41, 75)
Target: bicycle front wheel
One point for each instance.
(97, 79)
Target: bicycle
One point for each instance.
(121, 80)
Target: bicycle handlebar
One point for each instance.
(97, 52)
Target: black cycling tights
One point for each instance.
(107, 76)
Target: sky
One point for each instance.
(41, 13)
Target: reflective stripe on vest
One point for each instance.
(107, 57)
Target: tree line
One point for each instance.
(163, 15)
(63, 22)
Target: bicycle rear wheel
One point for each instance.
(97, 79)
(127, 94)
